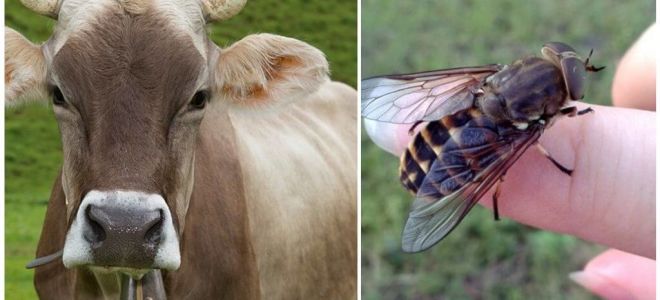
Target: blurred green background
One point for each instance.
(32, 144)
(481, 259)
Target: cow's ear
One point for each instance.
(25, 69)
(266, 69)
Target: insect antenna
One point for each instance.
(591, 68)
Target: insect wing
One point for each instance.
(433, 216)
(424, 96)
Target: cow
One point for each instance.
(189, 171)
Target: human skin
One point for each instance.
(616, 274)
(634, 81)
(610, 197)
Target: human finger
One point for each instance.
(634, 80)
(610, 197)
(618, 275)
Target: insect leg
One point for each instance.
(585, 111)
(591, 68)
(566, 171)
(572, 111)
(496, 212)
(569, 111)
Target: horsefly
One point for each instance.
(480, 121)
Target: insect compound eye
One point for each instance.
(199, 100)
(58, 97)
(574, 72)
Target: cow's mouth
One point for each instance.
(135, 274)
(136, 284)
(149, 286)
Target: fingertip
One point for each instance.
(618, 275)
(634, 80)
(588, 204)
(600, 285)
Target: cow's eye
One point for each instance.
(58, 98)
(199, 100)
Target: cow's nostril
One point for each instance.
(95, 233)
(153, 234)
(120, 235)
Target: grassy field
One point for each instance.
(33, 150)
(481, 259)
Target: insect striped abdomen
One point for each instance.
(481, 120)
(462, 144)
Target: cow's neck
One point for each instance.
(216, 238)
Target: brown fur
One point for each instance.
(53, 281)
(215, 244)
(125, 99)
(272, 213)
(216, 241)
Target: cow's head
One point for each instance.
(129, 83)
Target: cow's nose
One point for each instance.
(123, 236)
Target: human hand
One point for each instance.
(615, 274)
(610, 197)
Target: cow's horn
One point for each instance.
(221, 9)
(49, 8)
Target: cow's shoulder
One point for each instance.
(334, 102)
(339, 91)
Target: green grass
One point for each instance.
(33, 149)
(32, 158)
(481, 258)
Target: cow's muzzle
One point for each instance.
(122, 229)
(123, 237)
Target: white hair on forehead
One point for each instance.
(74, 15)
(187, 16)
(77, 15)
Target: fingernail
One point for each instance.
(600, 285)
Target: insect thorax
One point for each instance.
(527, 90)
